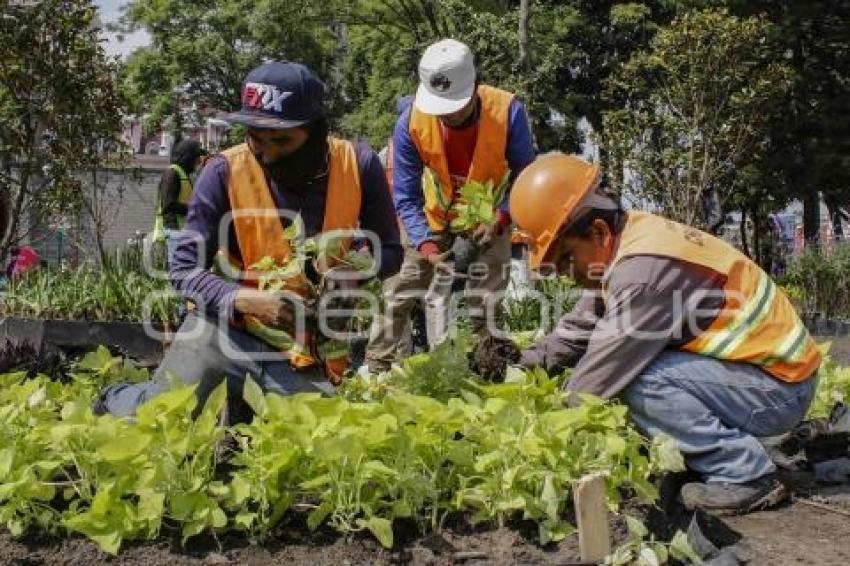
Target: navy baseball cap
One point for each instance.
(280, 94)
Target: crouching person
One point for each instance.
(692, 335)
(244, 201)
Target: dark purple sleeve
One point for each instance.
(377, 213)
(194, 254)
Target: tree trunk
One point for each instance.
(745, 247)
(5, 213)
(96, 211)
(811, 218)
(757, 251)
(835, 216)
(524, 14)
(15, 213)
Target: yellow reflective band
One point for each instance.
(745, 322)
(795, 345)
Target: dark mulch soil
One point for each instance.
(293, 544)
(491, 356)
(24, 357)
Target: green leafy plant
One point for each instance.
(489, 452)
(410, 448)
(643, 550)
(833, 387)
(475, 203)
(63, 468)
(119, 291)
(819, 279)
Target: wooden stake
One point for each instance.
(594, 534)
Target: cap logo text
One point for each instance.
(261, 96)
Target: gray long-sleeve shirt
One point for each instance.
(651, 303)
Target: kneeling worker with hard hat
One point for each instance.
(692, 335)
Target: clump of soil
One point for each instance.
(491, 357)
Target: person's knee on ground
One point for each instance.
(195, 357)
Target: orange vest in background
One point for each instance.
(261, 235)
(488, 161)
(757, 323)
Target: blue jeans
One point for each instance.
(715, 410)
(207, 351)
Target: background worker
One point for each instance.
(175, 191)
(460, 131)
(699, 342)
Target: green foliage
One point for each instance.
(476, 204)
(540, 310)
(487, 452)
(638, 550)
(495, 452)
(697, 107)
(110, 479)
(118, 291)
(59, 106)
(386, 40)
(822, 279)
(441, 374)
(833, 387)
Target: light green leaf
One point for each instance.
(637, 530)
(381, 528)
(319, 514)
(665, 454)
(681, 549)
(244, 520)
(647, 557)
(253, 395)
(130, 444)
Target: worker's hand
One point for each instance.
(279, 308)
(442, 261)
(484, 233)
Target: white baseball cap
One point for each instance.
(446, 78)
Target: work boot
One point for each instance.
(734, 498)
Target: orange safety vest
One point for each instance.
(261, 235)
(757, 323)
(488, 160)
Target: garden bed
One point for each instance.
(130, 338)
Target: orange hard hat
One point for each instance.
(547, 195)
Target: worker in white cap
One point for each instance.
(456, 130)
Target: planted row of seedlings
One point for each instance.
(385, 450)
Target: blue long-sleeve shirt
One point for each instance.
(408, 166)
(196, 249)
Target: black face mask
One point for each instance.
(309, 161)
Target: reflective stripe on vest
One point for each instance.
(757, 323)
(488, 160)
(260, 234)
